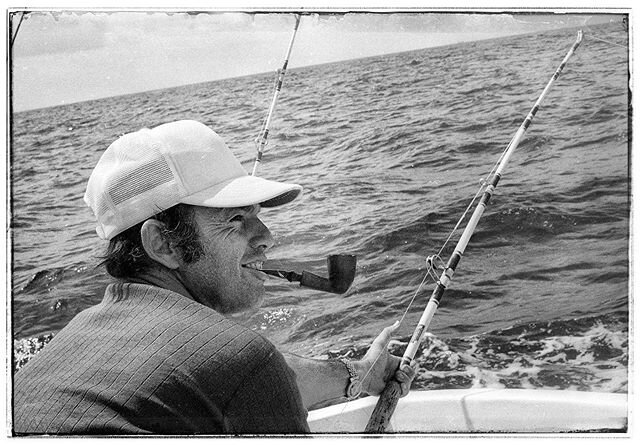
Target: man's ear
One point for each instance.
(156, 246)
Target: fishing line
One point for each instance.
(607, 41)
(592, 35)
(389, 397)
(483, 183)
(435, 262)
(415, 294)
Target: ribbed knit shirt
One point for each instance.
(148, 360)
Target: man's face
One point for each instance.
(234, 242)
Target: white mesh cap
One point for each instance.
(151, 170)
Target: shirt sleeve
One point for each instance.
(268, 401)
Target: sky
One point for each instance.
(64, 56)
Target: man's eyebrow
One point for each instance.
(252, 209)
(255, 209)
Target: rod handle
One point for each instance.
(379, 420)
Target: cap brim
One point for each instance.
(246, 191)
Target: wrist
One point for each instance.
(355, 377)
(363, 369)
(372, 381)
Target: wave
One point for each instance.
(43, 280)
(47, 279)
(535, 224)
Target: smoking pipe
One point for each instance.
(342, 271)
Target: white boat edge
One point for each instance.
(484, 410)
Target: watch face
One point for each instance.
(354, 389)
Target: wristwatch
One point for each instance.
(354, 388)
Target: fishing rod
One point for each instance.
(388, 400)
(341, 268)
(261, 140)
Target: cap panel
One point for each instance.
(204, 169)
(139, 179)
(198, 155)
(144, 206)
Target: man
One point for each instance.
(158, 355)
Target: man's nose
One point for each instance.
(260, 234)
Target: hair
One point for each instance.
(125, 256)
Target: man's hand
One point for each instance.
(378, 366)
(322, 381)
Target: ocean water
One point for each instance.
(390, 150)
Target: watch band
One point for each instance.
(354, 388)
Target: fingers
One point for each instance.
(385, 336)
(405, 375)
(380, 366)
(379, 345)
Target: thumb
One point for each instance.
(383, 339)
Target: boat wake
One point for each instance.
(583, 354)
